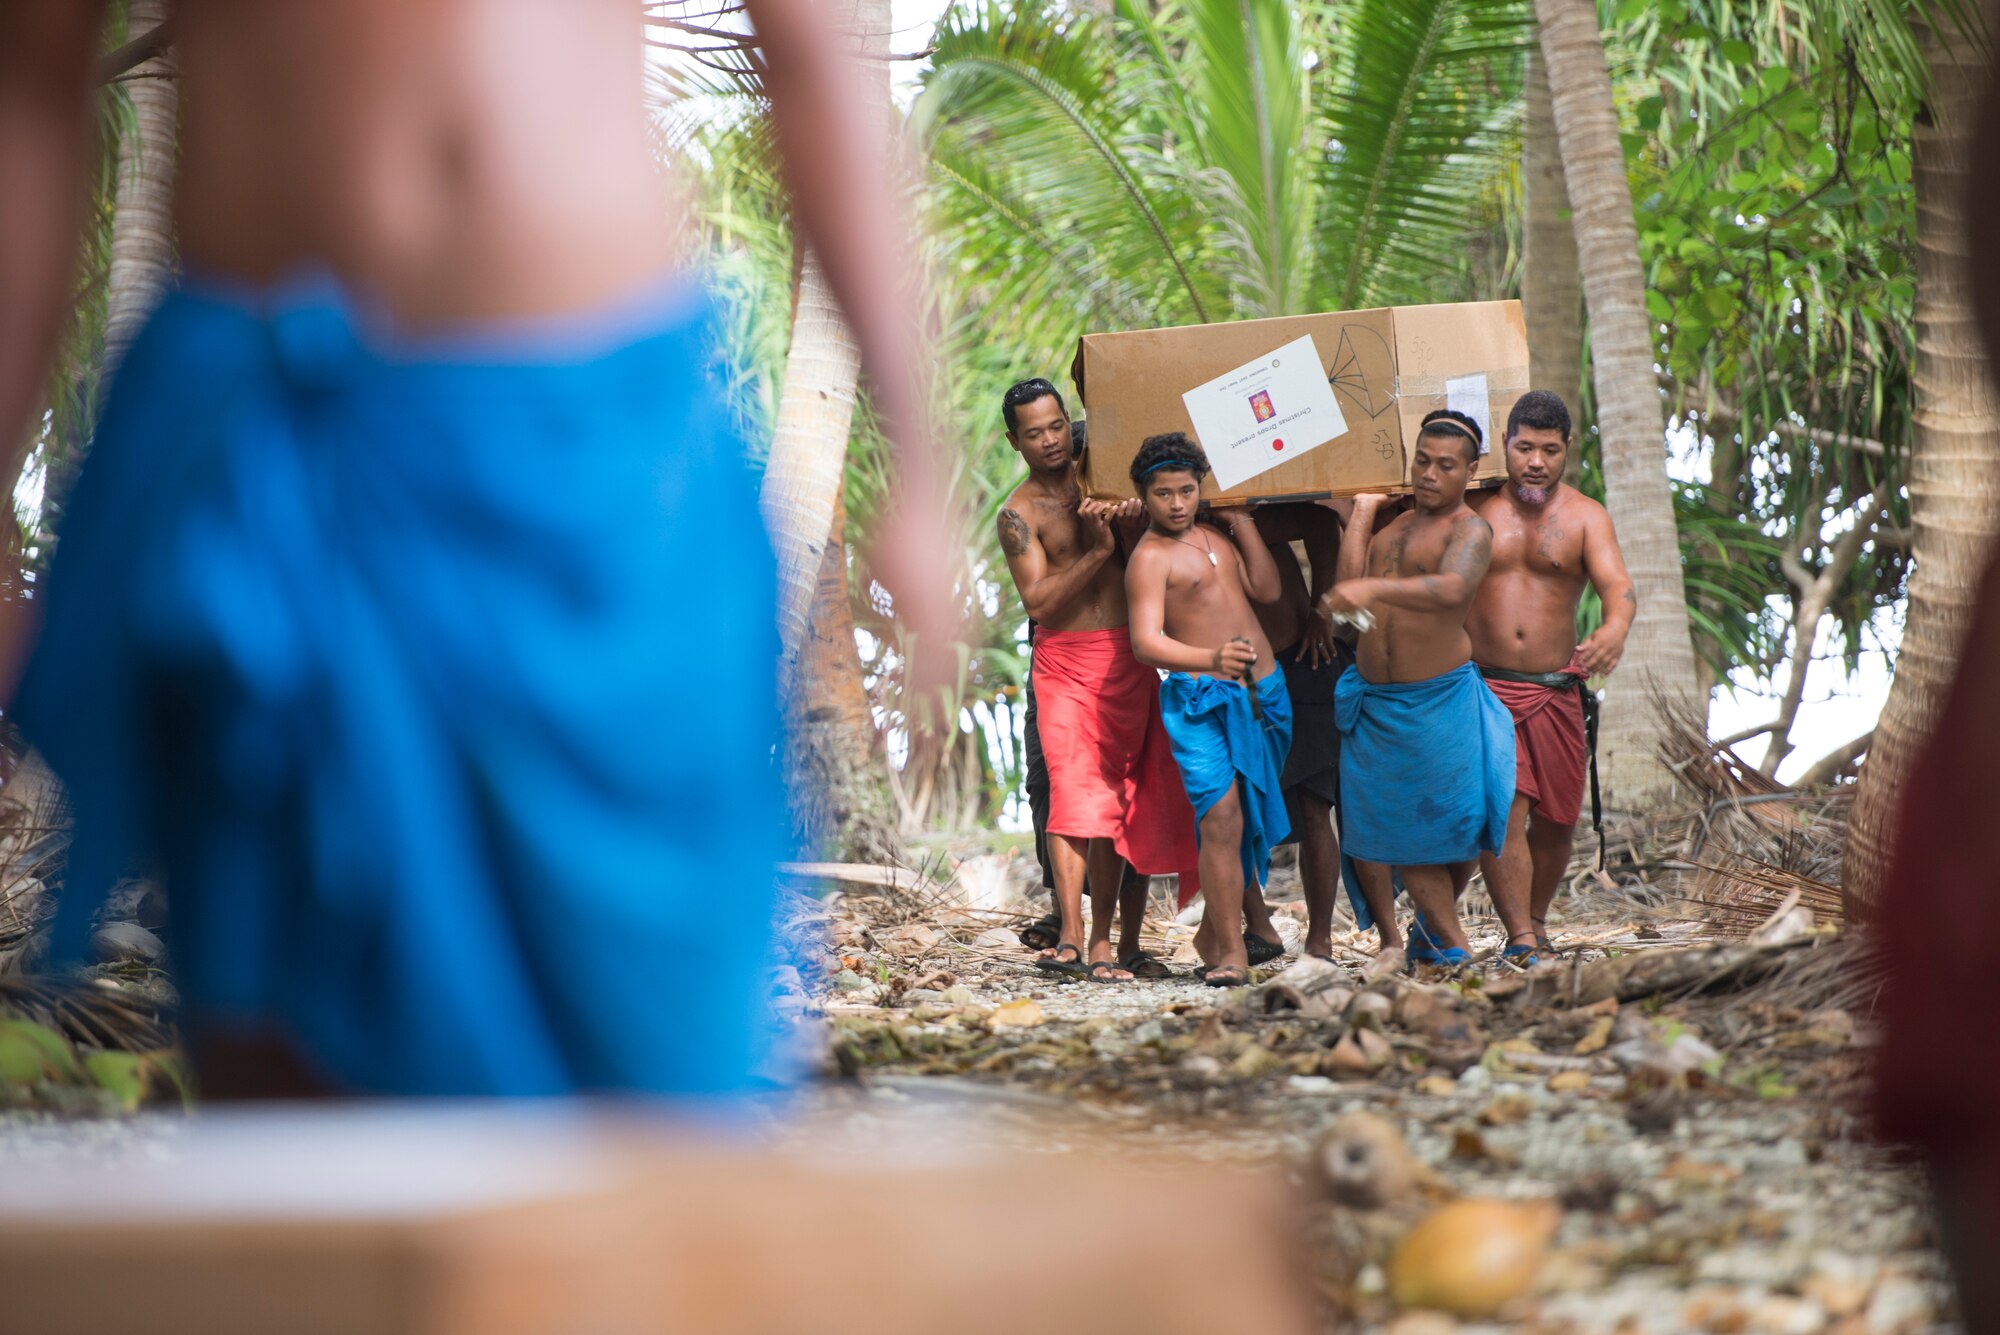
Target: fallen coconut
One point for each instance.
(1472, 1257)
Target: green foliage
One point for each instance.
(1776, 214)
(1202, 160)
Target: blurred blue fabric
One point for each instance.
(439, 680)
(1426, 768)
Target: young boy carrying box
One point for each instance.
(1189, 591)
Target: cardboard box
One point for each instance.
(1387, 368)
(458, 1219)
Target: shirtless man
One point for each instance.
(1113, 798)
(412, 532)
(1549, 541)
(1224, 699)
(1427, 757)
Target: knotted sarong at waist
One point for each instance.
(1111, 769)
(1426, 768)
(1549, 746)
(1219, 739)
(440, 681)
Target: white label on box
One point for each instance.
(1265, 413)
(1467, 394)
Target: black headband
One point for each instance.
(1446, 424)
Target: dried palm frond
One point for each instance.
(91, 1015)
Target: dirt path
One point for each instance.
(1700, 1148)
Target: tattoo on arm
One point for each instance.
(1013, 533)
(1631, 595)
(1471, 551)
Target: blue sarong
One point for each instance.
(438, 680)
(1217, 740)
(1426, 768)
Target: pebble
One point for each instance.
(126, 941)
(847, 981)
(958, 994)
(1473, 1079)
(1152, 1031)
(1312, 1084)
(1898, 1302)
(1782, 1315)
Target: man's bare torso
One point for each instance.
(454, 160)
(1524, 617)
(1205, 603)
(1407, 645)
(1049, 516)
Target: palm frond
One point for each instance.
(1418, 97)
(1035, 93)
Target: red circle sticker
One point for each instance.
(1278, 444)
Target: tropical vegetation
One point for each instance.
(1721, 248)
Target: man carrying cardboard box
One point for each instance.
(1114, 795)
(1224, 699)
(1549, 541)
(1312, 658)
(1427, 754)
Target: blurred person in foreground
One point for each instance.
(1550, 541)
(413, 609)
(1936, 1086)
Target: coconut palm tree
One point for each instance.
(1211, 160)
(1551, 280)
(1954, 476)
(142, 235)
(1658, 674)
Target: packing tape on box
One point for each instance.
(1472, 394)
(1506, 380)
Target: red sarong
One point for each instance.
(1550, 752)
(1111, 768)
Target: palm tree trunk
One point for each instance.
(835, 760)
(1658, 676)
(808, 453)
(142, 228)
(835, 756)
(1954, 477)
(141, 271)
(1551, 282)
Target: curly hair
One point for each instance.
(1540, 409)
(1170, 449)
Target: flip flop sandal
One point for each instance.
(1226, 975)
(1142, 965)
(1451, 957)
(1044, 933)
(1063, 968)
(1262, 951)
(1097, 972)
(1522, 957)
(1419, 945)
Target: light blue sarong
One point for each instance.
(438, 680)
(1217, 740)
(1426, 768)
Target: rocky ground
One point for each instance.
(1667, 1122)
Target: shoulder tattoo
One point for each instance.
(1013, 533)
